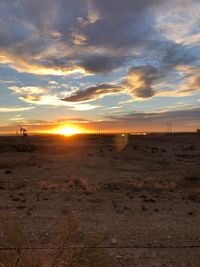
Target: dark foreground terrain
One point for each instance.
(123, 201)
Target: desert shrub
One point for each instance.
(73, 248)
(84, 184)
(167, 185)
(42, 184)
(15, 239)
(82, 249)
(138, 184)
(191, 184)
(171, 186)
(194, 193)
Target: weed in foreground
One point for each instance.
(73, 248)
(169, 186)
(194, 193)
(84, 184)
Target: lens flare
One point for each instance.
(121, 141)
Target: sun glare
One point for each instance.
(68, 130)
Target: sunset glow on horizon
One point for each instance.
(67, 130)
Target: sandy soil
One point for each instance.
(142, 191)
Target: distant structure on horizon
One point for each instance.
(23, 131)
(169, 128)
(101, 131)
(198, 131)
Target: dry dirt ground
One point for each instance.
(141, 192)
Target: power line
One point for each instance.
(105, 247)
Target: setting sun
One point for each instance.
(68, 130)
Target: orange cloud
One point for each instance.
(23, 65)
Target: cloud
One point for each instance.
(177, 54)
(140, 81)
(138, 84)
(28, 89)
(182, 119)
(94, 92)
(8, 81)
(116, 107)
(130, 47)
(16, 119)
(44, 66)
(56, 122)
(190, 82)
(193, 84)
(61, 37)
(14, 109)
(175, 115)
(101, 63)
(44, 96)
(53, 100)
(31, 98)
(179, 21)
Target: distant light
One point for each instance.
(136, 133)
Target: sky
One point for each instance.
(117, 65)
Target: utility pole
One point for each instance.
(169, 127)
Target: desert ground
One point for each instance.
(129, 200)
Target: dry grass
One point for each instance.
(86, 253)
(194, 193)
(138, 184)
(13, 236)
(84, 184)
(159, 186)
(45, 185)
(191, 184)
(74, 248)
(73, 182)
(16, 185)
